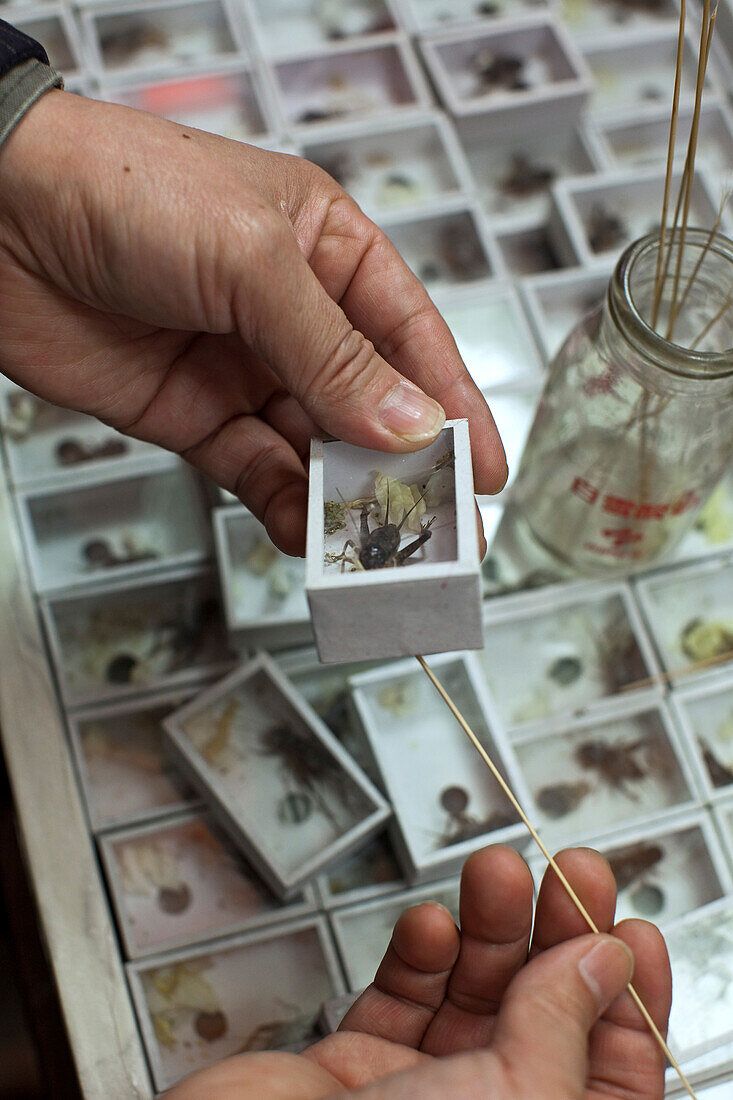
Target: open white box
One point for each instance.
(230, 100)
(47, 445)
(288, 28)
(256, 991)
(584, 649)
(372, 872)
(631, 144)
(154, 40)
(604, 214)
(699, 946)
(126, 776)
(53, 26)
(353, 82)
(135, 636)
(548, 67)
(634, 75)
(106, 530)
(274, 775)
(396, 163)
(528, 250)
(676, 603)
(591, 20)
(705, 714)
(450, 804)
(490, 329)
(557, 300)
(423, 606)
(513, 165)
(665, 869)
(589, 777)
(363, 932)
(177, 882)
(435, 15)
(263, 589)
(446, 245)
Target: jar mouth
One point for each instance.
(671, 357)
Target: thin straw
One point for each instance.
(703, 253)
(545, 852)
(713, 321)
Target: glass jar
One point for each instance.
(633, 432)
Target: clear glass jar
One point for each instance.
(633, 431)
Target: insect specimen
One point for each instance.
(720, 774)
(632, 862)
(100, 554)
(150, 869)
(647, 899)
(565, 671)
(121, 668)
(561, 799)
(23, 413)
(264, 560)
(211, 1026)
(498, 72)
(309, 765)
(525, 178)
(279, 1033)
(461, 251)
(605, 229)
(72, 452)
(616, 764)
(464, 826)
(157, 648)
(488, 7)
(121, 46)
(174, 899)
(705, 641)
(398, 189)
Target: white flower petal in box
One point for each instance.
(446, 802)
(435, 15)
(178, 882)
(665, 869)
(352, 82)
(126, 776)
(47, 445)
(705, 714)
(603, 214)
(274, 775)
(54, 26)
(287, 28)
(264, 589)
(229, 100)
(363, 932)
(446, 245)
(104, 530)
(136, 636)
(583, 646)
(690, 614)
(257, 991)
(590, 777)
(143, 39)
(557, 300)
(396, 163)
(429, 600)
(700, 949)
(514, 164)
(490, 328)
(635, 76)
(632, 144)
(515, 66)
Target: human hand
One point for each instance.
(219, 300)
(484, 1012)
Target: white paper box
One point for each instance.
(287, 28)
(490, 328)
(676, 602)
(705, 714)
(424, 606)
(136, 636)
(447, 803)
(108, 530)
(397, 163)
(550, 68)
(126, 775)
(264, 589)
(177, 882)
(447, 245)
(589, 21)
(584, 649)
(632, 144)
(254, 991)
(557, 301)
(47, 445)
(291, 813)
(350, 83)
(363, 932)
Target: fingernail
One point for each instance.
(606, 969)
(409, 413)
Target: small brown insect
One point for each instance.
(605, 230)
(561, 799)
(310, 765)
(211, 1026)
(497, 72)
(630, 863)
(525, 178)
(615, 764)
(121, 46)
(72, 452)
(174, 900)
(99, 553)
(464, 826)
(720, 774)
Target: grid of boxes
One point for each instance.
(510, 150)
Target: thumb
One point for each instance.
(550, 1007)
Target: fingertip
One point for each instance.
(285, 518)
(592, 881)
(426, 938)
(497, 890)
(653, 976)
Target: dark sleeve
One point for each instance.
(17, 47)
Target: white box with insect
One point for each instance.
(274, 775)
(392, 565)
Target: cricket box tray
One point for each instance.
(412, 519)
